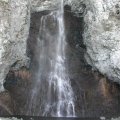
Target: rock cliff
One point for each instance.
(101, 37)
(101, 33)
(14, 29)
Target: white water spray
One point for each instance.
(52, 94)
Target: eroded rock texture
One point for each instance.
(4, 37)
(14, 27)
(102, 37)
(14, 30)
(101, 32)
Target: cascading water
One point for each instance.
(52, 94)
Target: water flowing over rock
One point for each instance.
(14, 24)
(101, 44)
(101, 32)
(52, 84)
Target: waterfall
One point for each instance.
(52, 94)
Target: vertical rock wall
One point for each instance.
(101, 33)
(14, 29)
(102, 37)
(4, 38)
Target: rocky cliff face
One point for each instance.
(101, 33)
(14, 28)
(101, 37)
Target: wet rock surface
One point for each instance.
(101, 33)
(14, 24)
(18, 84)
(6, 104)
(95, 96)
